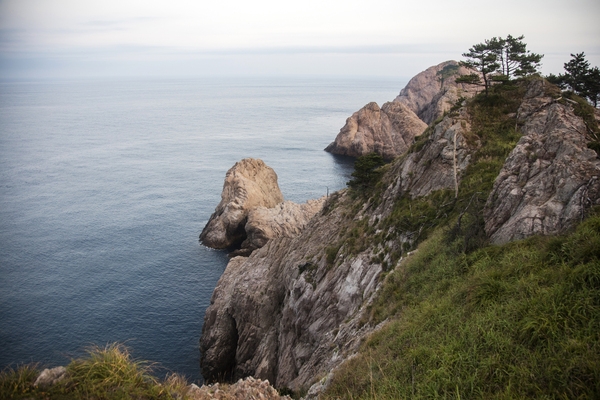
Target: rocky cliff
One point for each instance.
(551, 177)
(297, 307)
(434, 91)
(390, 130)
(250, 183)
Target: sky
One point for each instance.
(42, 39)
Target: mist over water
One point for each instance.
(106, 185)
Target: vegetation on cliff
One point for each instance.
(413, 219)
(465, 319)
(579, 78)
(520, 320)
(106, 373)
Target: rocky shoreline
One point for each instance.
(292, 308)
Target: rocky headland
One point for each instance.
(391, 129)
(296, 307)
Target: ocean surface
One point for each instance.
(105, 186)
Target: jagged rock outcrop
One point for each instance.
(441, 162)
(50, 376)
(285, 219)
(280, 313)
(388, 131)
(550, 178)
(252, 210)
(244, 389)
(249, 184)
(434, 91)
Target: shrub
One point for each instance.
(366, 173)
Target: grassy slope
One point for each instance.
(468, 320)
(108, 373)
(514, 321)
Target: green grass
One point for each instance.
(515, 321)
(470, 320)
(105, 373)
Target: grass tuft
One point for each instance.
(105, 373)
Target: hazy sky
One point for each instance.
(395, 38)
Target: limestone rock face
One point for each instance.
(249, 184)
(440, 163)
(284, 314)
(285, 219)
(550, 178)
(291, 312)
(388, 131)
(434, 91)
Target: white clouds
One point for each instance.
(167, 29)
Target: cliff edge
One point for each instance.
(296, 308)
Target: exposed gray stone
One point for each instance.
(288, 315)
(50, 377)
(550, 178)
(244, 389)
(279, 314)
(434, 91)
(285, 219)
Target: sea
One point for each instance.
(106, 184)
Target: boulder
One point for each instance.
(388, 131)
(249, 184)
(243, 389)
(50, 377)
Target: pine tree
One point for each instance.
(579, 78)
(516, 59)
(499, 59)
(482, 57)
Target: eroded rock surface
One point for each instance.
(280, 313)
(285, 219)
(441, 162)
(434, 91)
(249, 184)
(388, 131)
(550, 179)
(50, 376)
(244, 389)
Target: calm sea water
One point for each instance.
(106, 185)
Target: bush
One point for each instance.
(366, 173)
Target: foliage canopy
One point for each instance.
(366, 172)
(499, 59)
(580, 78)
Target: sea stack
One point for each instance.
(249, 184)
